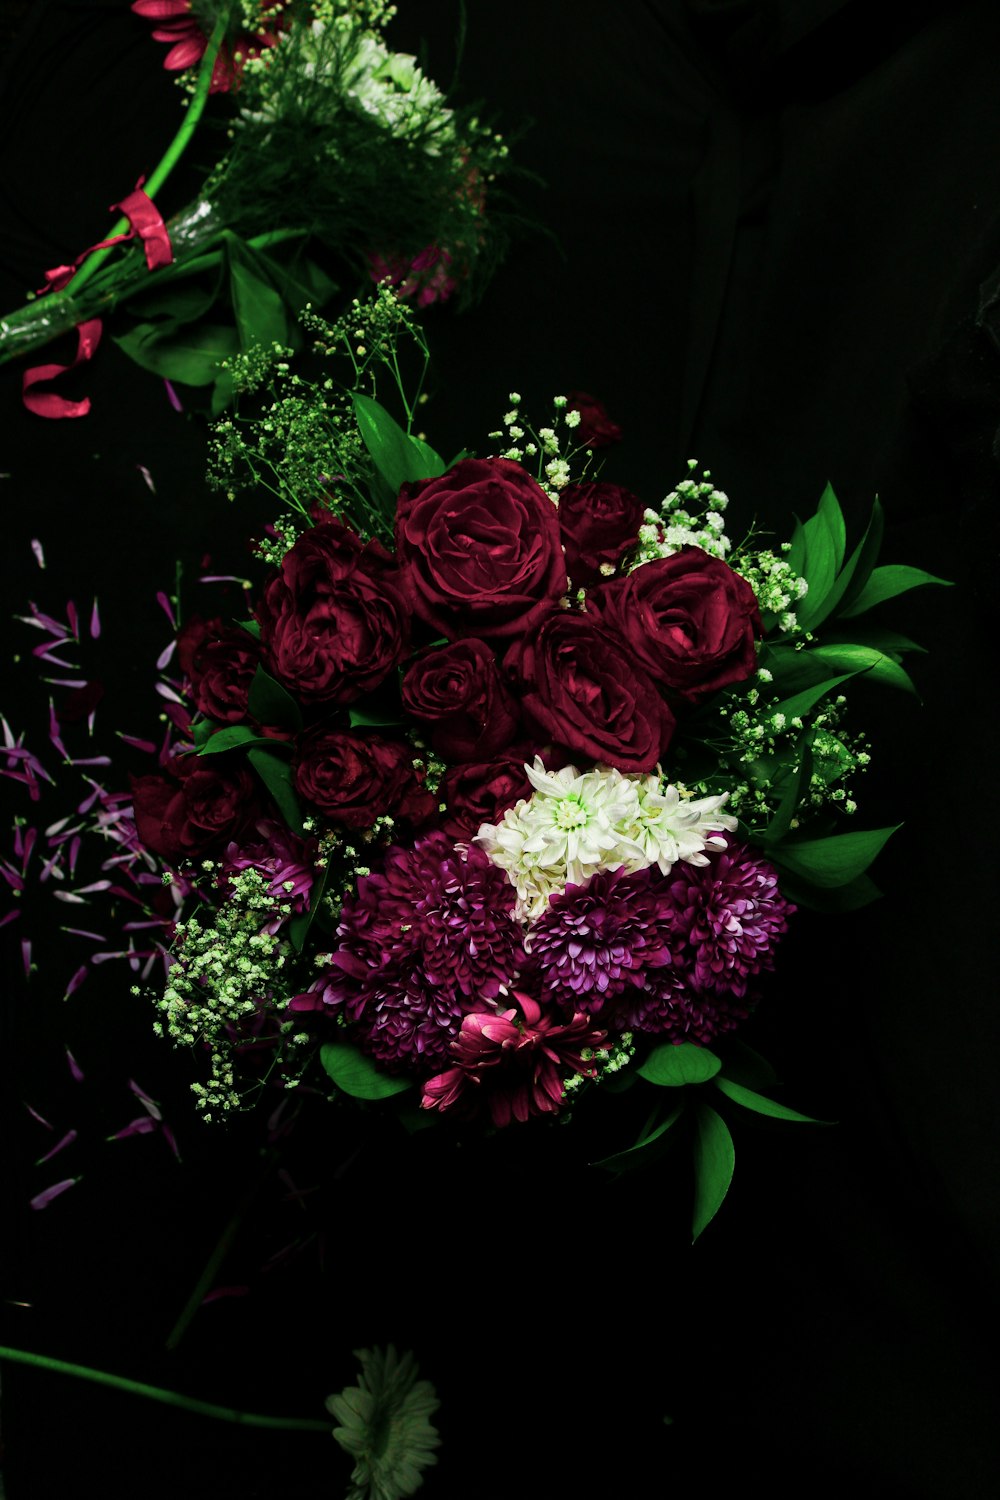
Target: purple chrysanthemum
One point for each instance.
(285, 862)
(731, 915)
(596, 940)
(427, 941)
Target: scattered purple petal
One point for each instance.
(171, 1140)
(11, 916)
(70, 897)
(167, 608)
(44, 1198)
(150, 1105)
(91, 760)
(40, 1118)
(72, 619)
(95, 622)
(98, 937)
(145, 745)
(224, 1291)
(222, 578)
(74, 1067)
(26, 956)
(67, 1140)
(165, 655)
(141, 1126)
(168, 693)
(172, 396)
(39, 551)
(67, 682)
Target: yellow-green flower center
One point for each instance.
(571, 813)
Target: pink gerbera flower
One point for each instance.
(519, 1061)
(182, 26)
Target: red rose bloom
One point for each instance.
(481, 792)
(689, 619)
(353, 778)
(480, 549)
(598, 523)
(219, 662)
(458, 692)
(194, 805)
(584, 691)
(333, 623)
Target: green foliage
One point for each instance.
(355, 1073)
(672, 1065)
(275, 771)
(714, 1161)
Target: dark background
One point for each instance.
(773, 226)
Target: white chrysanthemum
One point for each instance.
(578, 822)
(573, 825)
(390, 88)
(671, 827)
(385, 1425)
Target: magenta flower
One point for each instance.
(519, 1061)
(284, 860)
(426, 941)
(427, 278)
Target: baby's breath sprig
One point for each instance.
(303, 445)
(691, 515)
(551, 450)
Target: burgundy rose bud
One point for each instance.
(689, 619)
(194, 805)
(458, 692)
(219, 662)
(480, 550)
(481, 792)
(583, 690)
(352, 778)
(333, 622)
(598, 523)
(596, 429)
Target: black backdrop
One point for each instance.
(776, 227)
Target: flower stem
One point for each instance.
(167, 1398)
(173, 153)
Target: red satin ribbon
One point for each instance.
(47, 403)
(147, 223)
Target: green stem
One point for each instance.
(173, 153)
(167, 1398)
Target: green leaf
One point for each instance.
(192, 357)
(742, 1064)
(300, 924)
(356, 1074)
(299, 280)
(786, 809)
(202, 732)
(802, 702)
(859, 892)
(888, 583)
(270, 703)
(275, 772)
(875, 665)
(822, 546)
(760, 1104)
(375, 718)
(863, 559)
(399, 458)
(831, 861)
(233, 736)
(258, 306)
(251, 627)
(833, 516)
(671, 1065)
(714, 1160)
(642, 1152)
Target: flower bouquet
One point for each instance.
(491, 806)
(339, 156)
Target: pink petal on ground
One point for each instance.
(70, 682)
(67, 1140)
(74, 1067)
(147, 477)
(168, 693)
(44, 654)
(39, 551)
(98, 937)
(44, 1198)
(91, 760)
(76, 981)
(102, 958)
(223, 578)
(74, 851)
(36, 1116)
(70, 897)
(95, 622)
(88, 802)
(56, 827)
(26, 956)
(164, 657)
(11, 916)
(72, 619)
(173, 397)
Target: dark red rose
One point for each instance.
(598, 524)
(480, 549)
(195, 804)
(586, 692)
(596, 429)
(481, 792)
(689, 619)
(354, 778)
(333, 622)
(457, 691)
(219, 662)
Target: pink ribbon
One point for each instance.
(146, 223)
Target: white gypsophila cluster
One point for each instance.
(578, 822)
(690, 516)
